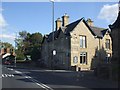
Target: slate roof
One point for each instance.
(71, 26)
(56, 34)
(99, 32)
(96, 31)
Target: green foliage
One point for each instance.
(29, 44)
(20, 55)
(6, 45)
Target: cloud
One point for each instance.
(11, 37)
(109, 13)
(5, 35)
(3, 23)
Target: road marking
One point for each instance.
(2, 75)
(38, 83)
(35, 81)
(46, 86)
(10, 69)
(10, 75)
(27, 77)
(18, 72)
(6, 75)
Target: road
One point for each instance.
(16, 77)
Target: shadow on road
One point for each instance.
(67, 79)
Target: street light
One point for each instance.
(52, 27)
(15, 48)
(52, 17)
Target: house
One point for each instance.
(115, 32)
(76, 45)
(4, 52)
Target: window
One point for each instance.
(75, 59)
(83, 58)
(108, 57)
(107, 44)
(83, 41)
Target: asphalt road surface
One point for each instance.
(14, 77)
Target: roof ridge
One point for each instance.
(98, 27)
(75, 21)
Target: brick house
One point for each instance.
(79, 44)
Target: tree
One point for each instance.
(20, 45)
(33, 45)
(29, 44)
(5, 45)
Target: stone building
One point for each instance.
(78, 44)
(115, 32)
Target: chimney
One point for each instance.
(65, 20)
(89, 22)
(58, 23)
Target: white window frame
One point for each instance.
(107, 44)
(83, 61)
(83, 41)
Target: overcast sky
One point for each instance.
(37, 16)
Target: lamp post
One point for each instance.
(52, 18)
(15, 48)
(52, 30)
(119, 6)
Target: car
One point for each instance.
(7, 63)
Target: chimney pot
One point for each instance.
(58, 23)
(65, 20)
(89, 22)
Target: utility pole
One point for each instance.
(15, 48)
(53, 17)
(52, 31)
(119, 6)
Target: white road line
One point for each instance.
(7, 75)
(38, 83)
(10, 69)
(47, 86)
(27, 77)
(35, 81)
(42, 84)
(18, 72)
(10, 75)
(2, 75)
